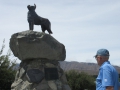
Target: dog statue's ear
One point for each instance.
(28, 7)
(35, 6)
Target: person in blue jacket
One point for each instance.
(108, 77)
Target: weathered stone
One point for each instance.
(16, 83)
(63, 78)
(21, 72)
(66, 87)
(42, 86)
(39, 69)
(29, 44)
(59, 84)
(25, 85)
(52, 85)
(25, 82)
(49, 65)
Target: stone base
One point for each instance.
(40, 74)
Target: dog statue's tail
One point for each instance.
(49, 30)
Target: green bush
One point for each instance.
(80, 81)
(7, 73)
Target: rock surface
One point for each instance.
(29, 44)
(39, 68)
(39, 81)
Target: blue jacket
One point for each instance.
(108, 76)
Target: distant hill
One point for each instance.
(90, 68)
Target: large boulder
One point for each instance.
(30, 44)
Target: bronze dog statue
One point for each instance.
(34, 19)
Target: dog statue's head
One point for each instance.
(31, 7)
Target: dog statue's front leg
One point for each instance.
(31, 25)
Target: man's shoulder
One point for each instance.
(107, 66)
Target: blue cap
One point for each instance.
(102, 52)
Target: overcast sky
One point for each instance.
(83, 26)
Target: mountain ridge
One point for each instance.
(89, 68)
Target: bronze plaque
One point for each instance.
(51, 73)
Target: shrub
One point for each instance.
(7, 73)
(80, 81)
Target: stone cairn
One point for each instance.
(39, 69)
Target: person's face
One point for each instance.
(99, 60)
